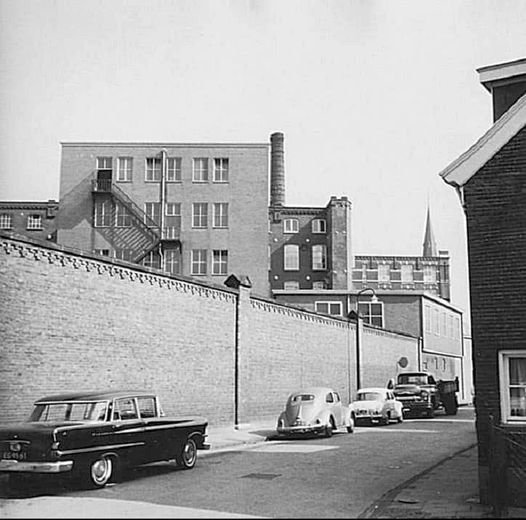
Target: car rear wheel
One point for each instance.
(100, 471)
(188, 455)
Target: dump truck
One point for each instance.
(422, 395)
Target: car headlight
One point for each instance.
(424, 394)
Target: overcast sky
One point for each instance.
(374, 98)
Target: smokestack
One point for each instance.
(277, 170)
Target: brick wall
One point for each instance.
(495, 203)
(80, 322)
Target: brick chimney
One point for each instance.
(506, 82)
(277, 170)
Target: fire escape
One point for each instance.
(143, 235)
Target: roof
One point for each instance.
(93, 396)
(460, 171)
(373, 389)
(493, 75)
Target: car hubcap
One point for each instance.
(189, 453)
(101, 470)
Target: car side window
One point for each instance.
(431, 380)
(329, 398)
(146, 406)
(336, 397)
(125, 409)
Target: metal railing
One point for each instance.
(507, 467)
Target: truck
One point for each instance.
(422, 395)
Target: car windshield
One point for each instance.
(302, 398)
(58, 412)
(413, 379)
(369, 396)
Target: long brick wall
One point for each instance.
(78, 322)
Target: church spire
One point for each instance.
(430, 247)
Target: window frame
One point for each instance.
(203, 172)
(154, 215)
(221, 174)
(369, 316)
(200, 263)
(384, 273)
(150, 172)
(102, 212)
(295, 266)
(221, 262)
(6, 221)
(319, 226)
(123, 218)
(329, 303)
(220, 215)
(322, 265)
(174, 170)
(172, 261)
(409, 270)
(291, 225)
(34, 222)
(199, 218)
(504, 357)
(126, 170)
(293, 285)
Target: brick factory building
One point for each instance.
(32, 219)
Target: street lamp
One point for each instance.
(359, 320)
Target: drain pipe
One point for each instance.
(162, 197)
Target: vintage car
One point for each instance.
(315, 410)
(92, 435)
(376, 405)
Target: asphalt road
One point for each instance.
(336, 477)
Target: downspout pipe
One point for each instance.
(162, 197)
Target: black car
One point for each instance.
(91, 435)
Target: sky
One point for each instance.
(374, 97)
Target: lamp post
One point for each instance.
(359, 324)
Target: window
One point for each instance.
(429, 274)
(124, 169)
(125, 409)
(291, 286)
(319, 257)
(319, 285)
(291, 225)
(330, 308)
(102, 217)
(372, 313)
(153, 169)
(172, 261)
(319, 225)
(34, 222)
(427, 315)
(146, 407)
(152, 259)
(200, 170)
(153, 213)
(221, 170)
(104, 164)
(6, 221)
(291, 257)
(407, 273)
(200, 214)
(512, 380)
(198, 261)
(123, 254)
(122, 216)
(220, 214)
(384, 273)
(102, 252)
(219, 261)
(173, 220)
(173, 169)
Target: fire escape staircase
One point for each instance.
(148, 227)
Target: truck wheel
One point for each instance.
(187, 455)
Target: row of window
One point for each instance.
(441, 323)
(33, 222)
(291, 257)
(292, 225)
(406, 273)
(293, 285)
(201, 262)
(371, 312)
(106, 214)
(153, 169)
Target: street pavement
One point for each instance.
(448, 489)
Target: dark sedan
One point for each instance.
(92, 435)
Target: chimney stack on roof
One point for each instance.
(277, 170)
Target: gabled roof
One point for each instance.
(471, 161)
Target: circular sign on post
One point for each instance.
(403, 362)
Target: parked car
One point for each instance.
(376, 405)
(92, 435)
(315, 410)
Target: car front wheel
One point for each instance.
(188, 454)
(100, 471)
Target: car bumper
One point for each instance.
(416, 407)
(368, 418)
(35, 467)
(292, 430)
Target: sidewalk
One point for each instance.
(447, 490)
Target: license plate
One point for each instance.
(13, 455)
(406, 409)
